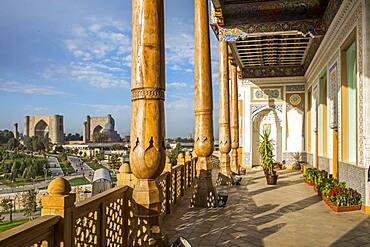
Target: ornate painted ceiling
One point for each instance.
(273, 38)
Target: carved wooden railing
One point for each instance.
(102, 220)
(40, 231)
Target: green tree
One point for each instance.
(14, 172)
(5, 136)
(37, 143)
(101, 155)
(12, 144)
(73, 137)
(173, 153)
(8, 205)
(29, 203)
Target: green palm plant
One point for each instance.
(266, 152)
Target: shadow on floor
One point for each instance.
(358, 236)
(238, 224)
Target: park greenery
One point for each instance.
(78, 181)
(65, 164)
(173, 153)
(6, 225)
(29, 203)
(15, 165)
(37, 144)
(73, 137)
(7, 204)
(5, 136)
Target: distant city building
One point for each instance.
(100, 129)
(51, 127)
(102, 181)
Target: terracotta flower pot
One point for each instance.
(271, 179)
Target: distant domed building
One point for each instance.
(100, 129)
(102, 181)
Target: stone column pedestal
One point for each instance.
(203, 104)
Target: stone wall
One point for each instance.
(309, 159)
(247, 159)
(324, 164)
(354, 176)
(292, 157)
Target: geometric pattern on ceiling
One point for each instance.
(281, 49)
(273, 38)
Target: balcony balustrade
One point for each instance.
(102, 220)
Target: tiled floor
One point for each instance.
(288, 214)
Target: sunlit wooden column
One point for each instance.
(203, 193)
(223, 111)
(234, 118)
(147, 155)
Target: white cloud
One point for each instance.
(176, 85)
(102, 54)
(97, 75)
(25, 88)
(99, 40)
(180, 45)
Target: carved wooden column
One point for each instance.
(147, 155)
(203, 193)
(234, 118)
(224, 116)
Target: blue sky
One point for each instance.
(74, 57)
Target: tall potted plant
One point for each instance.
(266, 152)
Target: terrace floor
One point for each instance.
(288, 214)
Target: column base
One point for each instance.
(204, 194)
(224, 180)
(366, 209)
(146, 209)
(234, 162)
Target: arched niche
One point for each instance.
(97, 129)
(42, 129)
(267, 118)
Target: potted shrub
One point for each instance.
(311, 175)
(266, 149)
(340, 198)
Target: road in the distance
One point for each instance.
(54, 167)
(81, 167)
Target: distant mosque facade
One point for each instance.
(100, 129)
(51, 127)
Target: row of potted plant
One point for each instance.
(335, 194)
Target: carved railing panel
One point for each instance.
(164, 183)
(173, 187)
(114, 232)
(86, 229)
(39, 232)
(103, 219)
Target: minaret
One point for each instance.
(15, 131)
(26, 131)
(85, 132)
(88, 131)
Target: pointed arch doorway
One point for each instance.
(267, 119)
